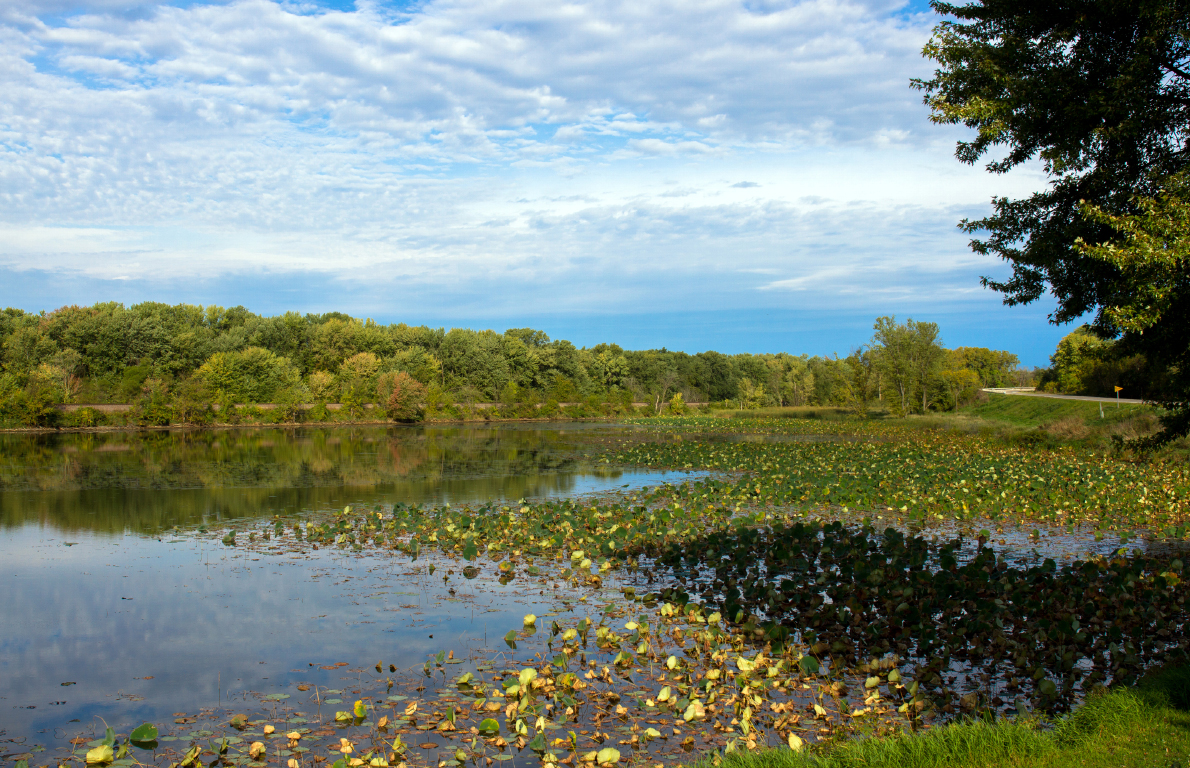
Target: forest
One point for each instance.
(186, 363)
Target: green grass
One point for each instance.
(1144, 727)
(1026, 411)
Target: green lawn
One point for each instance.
(1028, 411)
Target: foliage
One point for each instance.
(106, 353)
(751, 394)
(405, 398)
(153, 408)
(881, 591)
(254, 375)
(908, 355)
(1084, 364)
(1150, 300)
(1097, 91)
(933, 475)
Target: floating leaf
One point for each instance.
(143, 733)
(100, 755)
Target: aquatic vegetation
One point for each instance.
(921, 475)
(829, 579)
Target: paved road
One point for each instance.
(1031, 393)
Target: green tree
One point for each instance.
(894, 346)
(751, 393)
(254, 376)
(1099, 92)
(927, 354)
(1150, 304)
(862, 364)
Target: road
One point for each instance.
(1030, 392)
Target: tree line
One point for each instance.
(177, 362)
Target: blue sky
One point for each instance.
(741, 176)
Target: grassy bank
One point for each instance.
(1026, 411)
(1144, 727)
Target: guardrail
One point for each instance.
(121, 407)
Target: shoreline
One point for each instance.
(285, 425)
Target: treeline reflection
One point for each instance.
(113, 482)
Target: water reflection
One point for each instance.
(102, 621)
(145, 481)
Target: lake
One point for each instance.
(115, 604)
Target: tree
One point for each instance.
(1151, 302)
(861, 362)
(751, 394)
(1099, 92)
(405, 398)
(894, 344)
(254, 376)
(926, 355)
(907, 355)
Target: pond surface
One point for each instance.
(108, 611)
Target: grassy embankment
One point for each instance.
(1143, 727)
(1041, 421)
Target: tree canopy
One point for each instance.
(1098, 91)
(183, 356)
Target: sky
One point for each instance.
(751, 176)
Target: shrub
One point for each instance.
(84, 417)
(36, 405)
(191, 402)
(153, 408)
(289, 404)
(405, 399)
(229, 412)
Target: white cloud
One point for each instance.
(590, 146)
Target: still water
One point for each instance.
(108, 611)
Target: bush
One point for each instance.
(153, 409)
(37, 405)
(289, 404)
(229, 412)
(406, 398)
(191, 403)
(84, 417)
